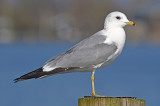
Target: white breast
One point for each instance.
(118, 36)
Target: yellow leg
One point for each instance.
(93, 89)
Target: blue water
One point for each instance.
(136, 73)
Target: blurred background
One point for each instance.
(33, 21)
(33, 31)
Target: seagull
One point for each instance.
(95, 52)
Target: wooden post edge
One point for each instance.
(110, 101)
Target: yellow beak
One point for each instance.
(130, 23)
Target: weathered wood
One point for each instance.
(110, 101)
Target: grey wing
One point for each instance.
(88, 57)
(84, 55)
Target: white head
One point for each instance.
(117, 19)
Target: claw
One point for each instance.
(95, 95)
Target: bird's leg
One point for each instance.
(92, 80)
(93, 89)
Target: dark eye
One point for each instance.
(118, 17)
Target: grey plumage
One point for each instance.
(80, 58)
(85, 54)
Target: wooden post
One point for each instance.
(110, 101)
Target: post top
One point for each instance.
(109, 97)
(110, 101)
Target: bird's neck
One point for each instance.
(116, 34)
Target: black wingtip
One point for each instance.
(34, 74)
(17, 80)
